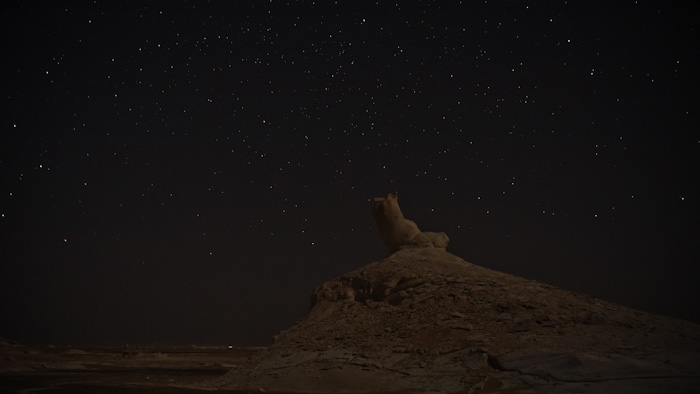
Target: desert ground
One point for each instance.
(420, 321)
(137, 369)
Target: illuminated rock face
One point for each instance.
(398, 232)
(424, 320)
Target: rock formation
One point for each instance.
(424, 320)
(398, 232)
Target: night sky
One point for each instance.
(188, 172)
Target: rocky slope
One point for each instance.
(424, 320)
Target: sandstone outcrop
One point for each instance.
(424, 320)
(398, 232)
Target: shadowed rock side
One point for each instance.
(424, 320)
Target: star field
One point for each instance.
(189, 171)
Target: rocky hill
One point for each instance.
(424, 320)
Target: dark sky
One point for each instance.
(188, 172)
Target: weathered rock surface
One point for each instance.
(424, 320)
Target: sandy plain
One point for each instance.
(145, 369)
